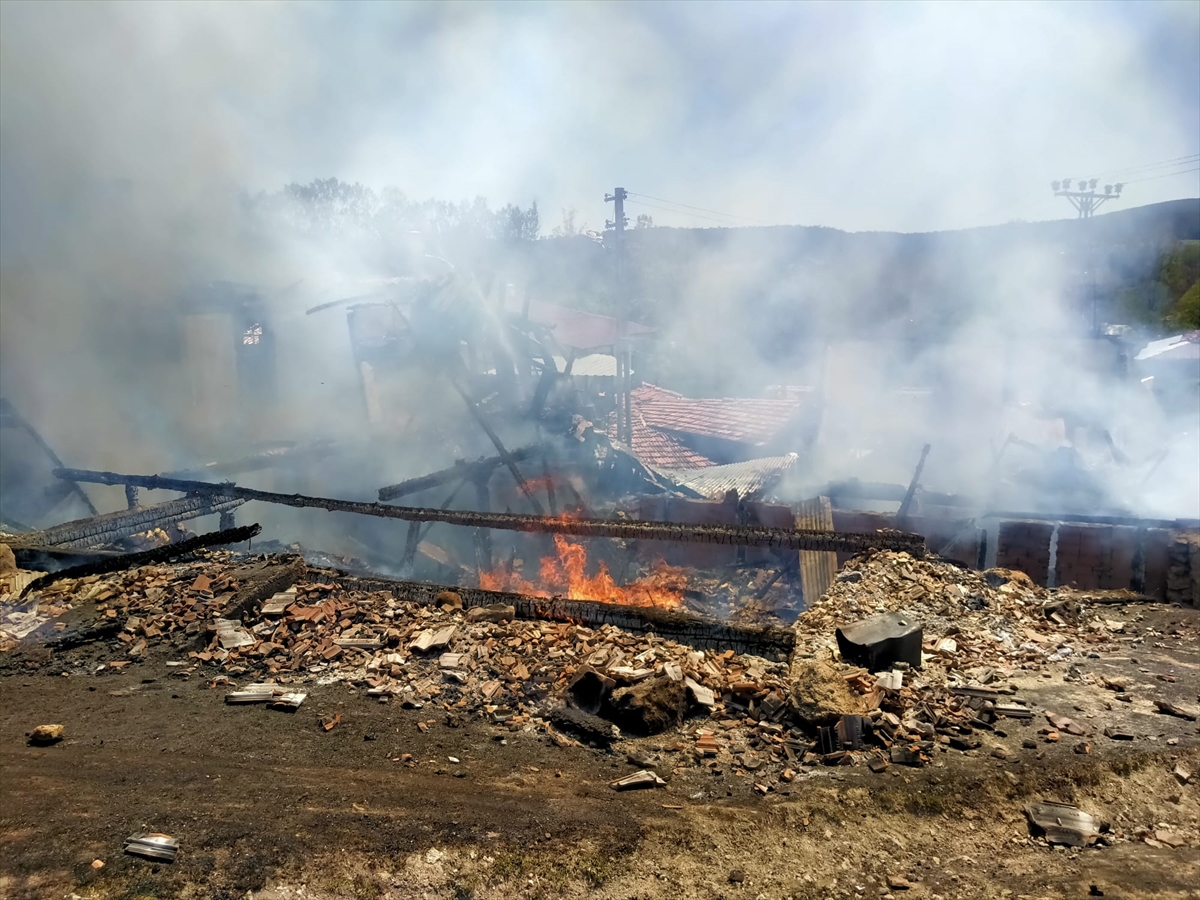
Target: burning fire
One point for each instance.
(565, 575)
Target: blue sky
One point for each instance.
(899, 116)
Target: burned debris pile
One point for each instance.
(272, 625)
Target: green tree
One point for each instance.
(1185, 314)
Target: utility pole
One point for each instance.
(622, 352)
(1086, 201)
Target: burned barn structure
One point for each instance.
(536, 461)
(524, 450)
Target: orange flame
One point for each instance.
(565, 575)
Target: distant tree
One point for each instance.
(516, 224)
(644, 221)
(567, 227)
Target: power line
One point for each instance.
(715, 212)
(1179, 160)
(1167, 175)
(680, 212)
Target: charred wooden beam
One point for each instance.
(54, 559)
(481, 420)
(701, 632)
(104, 529)
(728, 535)
(468, 470)
(157, 555)
(906, 503)
(276, 456)
(10, 418)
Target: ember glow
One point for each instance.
(565, 575)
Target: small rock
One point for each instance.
(898, 883)
(1170, 838)
(649, 707)
(97, 864)
(45, 735)
(448, 600)
(497, 612)
(737, 876)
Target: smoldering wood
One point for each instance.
(277, 456)
(630, 530)
(702, 632)
(906, 503)
(102, 631)
(467, 470)
(483, 537)
(272, 580)
(478, 416)
(53, 559)
(120, 562)
(109, 527)
(10, 418)
(418, 531)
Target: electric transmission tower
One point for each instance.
(1084, 198)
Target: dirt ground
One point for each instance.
(267, 806)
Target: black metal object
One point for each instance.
(881, 641)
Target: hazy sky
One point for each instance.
(905, 116)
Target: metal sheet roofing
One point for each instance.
(749, 478)
(1179, 346)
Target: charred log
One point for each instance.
(271, 581)
(701, 632)
(277, 456)
(728, 535)
(104, 529)
(10, 418)
(467, 470)
(123, 561)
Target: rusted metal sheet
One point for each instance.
(817, 568)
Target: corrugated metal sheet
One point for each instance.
(750, 478)
(751, 420)
(817, 569)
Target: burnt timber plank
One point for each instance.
(728, 535)
(701, 632)
(103, 529)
